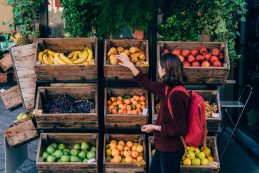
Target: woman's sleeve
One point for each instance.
(180, 104)
(157, 88)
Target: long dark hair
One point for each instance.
(174, 74)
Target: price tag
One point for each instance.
(215, 115)
(2, 90)
(145, 112)
(91, 160)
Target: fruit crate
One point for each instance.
(69, 139)
(200, 75)
(212, 96)
(21, 132)
(67, 71)
(123, 167)
(120, 72)
(213, 167)
(125, 121)
(67, 120)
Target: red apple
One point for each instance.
(200, 58)
(191, 58)
(196, 64)
(215, 52)
(181, 58)
(194, 52)
(186, 64)
(217, 64)
(213, 58)
(205, 64)
(185, 53)
(221, 56)
(176, 51)
(202, 50)
(166, 51)
(207, 56)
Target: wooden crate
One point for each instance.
(117, 71)
(20, 132)
(6, 62)
(213, 123)
(66, 72)
(12, 97)
(67, 120)
(128, 121)
(200, 75)
(123, 167)
(69, 139)
(3, 77)
(211, 143)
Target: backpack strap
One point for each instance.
(177, 88)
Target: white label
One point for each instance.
(215, 115)
(91, 160)
(144, 112)
(2, 90)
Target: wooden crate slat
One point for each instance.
(23, 63)
(12, 97)
(6, 62)
(3, 77)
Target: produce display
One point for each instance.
(22, 116)
(126, 104)
(83, 152)
(125, 152)
(201, 57)
(136, 55)
(84, 57)
(67, 104)
(210, 108)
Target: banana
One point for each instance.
(72, 54)
(52, 59)
(46, 59)
(50, 52)
(82, 57)
(75, 56)
(40, 56)
(58, 60)
(90, 54)
(65, 59)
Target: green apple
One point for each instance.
(45, 155)
(204, 162)
(187, 162)
(191, 155)
(24, 116)
(190, 149)
(66, 152)
(51, 158)
(77, 147)
(196, 162)
(50, 149)
(61, 146)
(54, 145)
(19, 117)
(58, 154)
(64, 158)
(74, 159)
(82, 155)
(85, 160)
(74, 152)
(93, 149)
(90, 155)
(153, 152)
(85, 146)
(196, 150)
(200, 155)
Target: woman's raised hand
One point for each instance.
(125, 61)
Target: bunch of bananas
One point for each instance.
(84, 57)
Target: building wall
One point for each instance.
(6, 14)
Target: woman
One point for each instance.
(169, 148)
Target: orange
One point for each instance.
(128, 159)
(126, 148)
(128, 107)
(119, 98)
(129, 112)
(142, 98)
(117, 159)
(139, 111)
(134, 112)
(113, 99)
(114, 111)
(136, 98)
(114, 103)
(143, 103)
(120, 147)
(112, 146)
(129, 144)
(134, 154)
(140, 148)
(109, 102)
(120, 111)
(119, 102)
(121, 106)
(124, 111)
(127, 101)
(121, 143)
(115, 152)
(135, 103)
(127, 153)
(138, 106)
(143, 107)
(134, 148)
(113, 142)
(132, 100)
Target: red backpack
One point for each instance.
(197, 127)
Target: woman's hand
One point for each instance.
(127, 63)
(149, 128)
